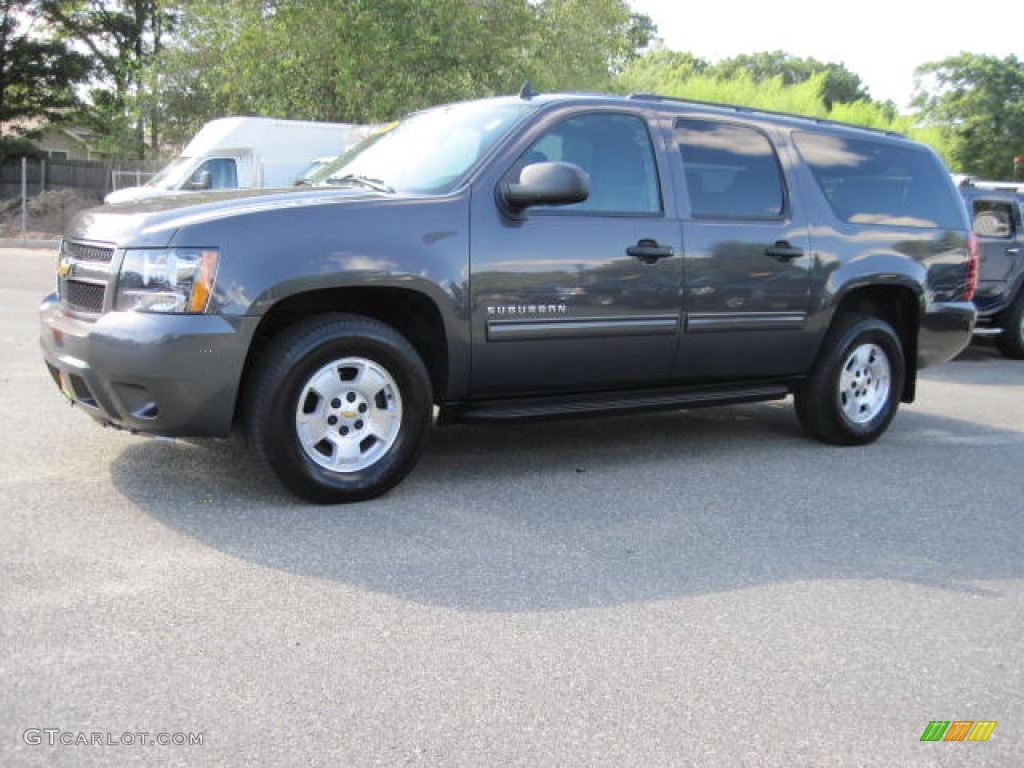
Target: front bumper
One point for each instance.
(945, 332)
(171, 375)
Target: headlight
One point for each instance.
(166, 280)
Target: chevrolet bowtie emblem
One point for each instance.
(64, 267)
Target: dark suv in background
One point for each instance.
(521, 257)
(996, 211)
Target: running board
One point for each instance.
(557, 406)
(987, 331)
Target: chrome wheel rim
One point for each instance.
(348, 415)
(864, 383)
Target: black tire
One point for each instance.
(1011, 341)
(355, 383)
(853, 391)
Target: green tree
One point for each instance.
(680, 75)
(978, 103)
(122, 37)
(840, 86)
(584, 44)
(659, 70)
(362, 61)
(37, 73)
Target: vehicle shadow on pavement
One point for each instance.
(979, 363)
(598, 512)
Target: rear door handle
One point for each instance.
(1013, 251)
(784, 251)
(649, 251)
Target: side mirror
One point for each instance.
(201, 180)
(545, 184)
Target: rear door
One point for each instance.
(747, 255)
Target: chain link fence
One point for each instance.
(40, 196)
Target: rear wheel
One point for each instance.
(853, 391)
(339, 407)
(1011, 341)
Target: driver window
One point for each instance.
(616, 154)
(223, 173)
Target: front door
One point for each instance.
(584, 296)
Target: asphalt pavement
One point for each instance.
(704, 589)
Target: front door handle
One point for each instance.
(649, 251)
(1012, 251)
(784, 251)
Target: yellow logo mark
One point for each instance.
(64, 268)
(982, 730)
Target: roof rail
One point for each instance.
(759, 111)
(999, 186)
(990, 185)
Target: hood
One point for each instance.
(134, 194)
(151, 223)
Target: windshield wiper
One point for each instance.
(362, 181)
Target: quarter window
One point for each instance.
(869, 182)
(732, 171)
(615, 152)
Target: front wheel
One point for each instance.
(339, 407)
(853, 391)
(1011, 341)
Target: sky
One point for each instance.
(882, 41)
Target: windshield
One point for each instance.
(173, 174)
(319, 176)
(314, 170)
(427, 152)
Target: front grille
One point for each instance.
(85, 297)
(84, 252)
(83, 275)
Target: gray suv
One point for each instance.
(521, 257)
(996, 212)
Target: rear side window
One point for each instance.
(991, 218)
(731, 171)
(869, 182)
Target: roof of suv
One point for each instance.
(680, 105)
(728, 110)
